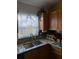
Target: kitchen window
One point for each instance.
(27, 25)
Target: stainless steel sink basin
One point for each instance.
(36, 43)
(31, 44)
(28, 45)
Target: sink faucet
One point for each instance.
(33, 38)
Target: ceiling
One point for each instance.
(38, 3)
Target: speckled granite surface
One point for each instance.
(21, 49)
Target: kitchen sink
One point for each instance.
(35, 43)
(28, 45)
(31, 44)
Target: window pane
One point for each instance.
(27, 24)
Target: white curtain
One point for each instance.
(27, 25)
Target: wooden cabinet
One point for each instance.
(53, 20)
(44, 22)
(56, 53)
(43, 52)
(38, 53)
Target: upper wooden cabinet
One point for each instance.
(55, 20)
(41, 22)
(52, 18)
(46, 21)
(51, 21)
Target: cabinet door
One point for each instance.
(38, 53)
(56, 53)
(53, 20)
(57, 56)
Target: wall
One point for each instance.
(25, 8)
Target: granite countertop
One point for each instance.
(21, 49)
(50, 42)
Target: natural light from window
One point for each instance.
(27, 25)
